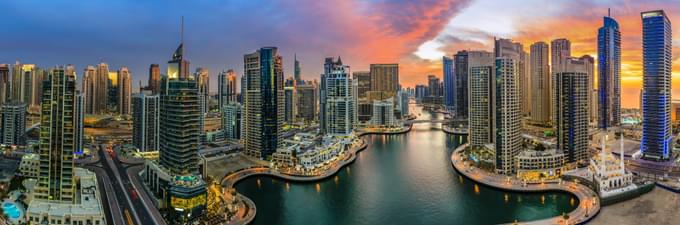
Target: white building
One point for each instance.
(30, 165)
(507, 115)
(337, 111)
(86, 209)
(383, 113)
(609, 173)
(481, 105)
(145, 119)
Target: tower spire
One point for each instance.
(181, 30)
(609, 12)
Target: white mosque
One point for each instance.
(608, 172)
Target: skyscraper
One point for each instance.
(101, 89)
(449, 83)
(112, 102)
(203, 76)
(226, 85)
(297, 71)
(78, 118)
(55, 179)
(507, 114)
(124, 91)
(589, 63)
(609, 74)
(145, 123)
(306, 102)
(13, 120)
(363, 79)
(571, 104)
(463, 61)
(5, 84)
(264, 101)
(560, 51)
(25, 83)
(175, 175)
(231, 120)
(657, 47)
(290, 101)
(154, 79)
(180, 119)
(540, 85)
(481, 105)
(89, 86)
(385, 79)
(461, 83)
(337, 111)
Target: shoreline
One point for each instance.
(581, 192)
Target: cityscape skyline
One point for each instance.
(417, 44)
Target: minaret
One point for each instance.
(621, 154)
(602, 154)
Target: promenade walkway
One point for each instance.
(589, 204)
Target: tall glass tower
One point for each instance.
(656, 98)
(449, 83)
(264, 101)
(609, 70)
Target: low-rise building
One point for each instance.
(540, 165)
(30, 165)
(87, 208)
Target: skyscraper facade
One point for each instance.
(154, 79)
(507, 114)
(363, 82)
(264, 101)
(203, 76)
(226, 85)
(89, 85)
(124, 91)
(656, 143)
(385, 79)
(560, 51)
(101, 89)
(540, 85)
(609, 74)
(463, 61)
(145, 121)
(449, 83)
(297, 71)
(13, 121)
(290, 103)
(481, 105)
(337, 111)
(231, 120)
(306, 102)
(571, 104)
(589, 63)
(5, 83)
(55, 178)
(78, 118)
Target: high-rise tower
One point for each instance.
(609, 74)
(571, 104)
(264, 108)
(337, 103)
(656, 143)
(449, 83)
(57, 141)
(540, 83)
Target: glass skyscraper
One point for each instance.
(609, 70)
(449, 83)
(656, 99)
(264, 101)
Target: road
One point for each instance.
(122, 187)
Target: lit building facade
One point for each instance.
(449, 83)
(124, 91)
(226, 85)
(337, 111)
(231, 120)
(656, 143)
(507, 115)
(609, 74)
(264, 107)
(540, 83)
(481, 105)
(571, 104)
(145, 123)
(13, 130)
